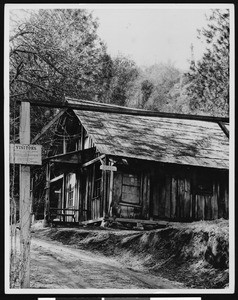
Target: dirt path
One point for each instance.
(55, 266)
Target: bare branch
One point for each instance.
(24, 51)
(18, 72)
(33, 84)
(19, 34)
(42, 57)
(17, 95)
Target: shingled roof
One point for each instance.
(158, 138)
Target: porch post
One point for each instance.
(64, 197)
(47, 197)
(104, 189)
(110, 191)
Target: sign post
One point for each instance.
(25, 155)
(25, 200)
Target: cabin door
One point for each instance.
(96, 193)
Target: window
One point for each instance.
(70, 196)
(131, 188)
(203, 185)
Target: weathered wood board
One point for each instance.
(176, 198)
(25, 154)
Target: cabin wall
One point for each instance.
(180, 194)
(156, 192)
(176, 193)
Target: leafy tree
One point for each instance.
(146, 89)
(122, 77)
(208, 85)
(56, 53)
(153, 85)
(180, 101)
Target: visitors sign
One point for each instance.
(25, 154)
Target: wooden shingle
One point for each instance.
(162, 139)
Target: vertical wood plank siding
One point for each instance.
(105, 187)
(187, 203)
(165, 193)
(76, 203)
(208, 207)
(80, 195)
(117, 193)
(175, 197)
(145, 200)
(215, 204)
(86, 197)
(225, 213)
(90, 192)
(93, 202)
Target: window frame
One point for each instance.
(70, 196)
(139, 180)
(202, 185)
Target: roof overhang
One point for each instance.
(78, 157)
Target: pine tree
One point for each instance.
(208, 86)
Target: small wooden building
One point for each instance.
(112, 162)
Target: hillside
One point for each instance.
(195, 254)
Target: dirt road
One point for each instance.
(55, 266)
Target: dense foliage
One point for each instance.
(208, 86)
(56, 53)
(123, 73)
(154, 87)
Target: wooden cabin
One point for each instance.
(112, 163)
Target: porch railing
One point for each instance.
(62, 214)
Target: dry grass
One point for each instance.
(196, 254)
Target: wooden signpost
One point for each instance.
(25, 200)
(25, 155)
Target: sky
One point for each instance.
(151, 36)
(150, 33)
